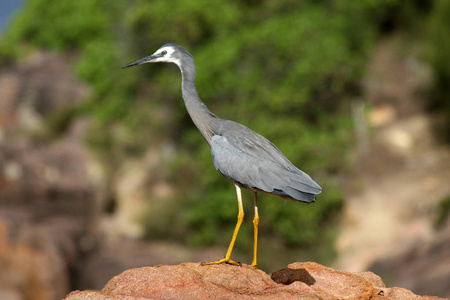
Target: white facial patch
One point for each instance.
(168, 56)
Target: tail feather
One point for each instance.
(309, 186)
(301, 196)
(292, 194)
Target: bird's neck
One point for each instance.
(202, 117)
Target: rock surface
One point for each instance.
(424, 269)
(192, 281)
(35, 256)
(35, 88)
(47, 184)
(396, 185)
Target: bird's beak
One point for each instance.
(144, 60)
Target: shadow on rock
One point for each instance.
(288, 276)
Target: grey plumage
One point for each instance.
(254, 162)
(240, 154)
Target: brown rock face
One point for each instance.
(330, 282)
(193, 281)
(46, 190)
(36, 88)
(35, 257)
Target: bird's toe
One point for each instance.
(221, 261)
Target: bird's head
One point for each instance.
(171, 53)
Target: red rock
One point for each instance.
(34, 258)
(40, 85)
(192, 281)
(343, 285)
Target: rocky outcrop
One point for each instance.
(192, 281)
(38, 170)
(35, 88)
(36, 256)
(398, 181)
(47, 185)
(425, 268)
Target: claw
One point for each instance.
(224, 260)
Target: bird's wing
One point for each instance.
(251, 160)
(255, 145)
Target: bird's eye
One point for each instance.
(164, 52)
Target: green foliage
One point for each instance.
(286, 69)
(443, 212)
(301, 88)
(61, 26)
(84, 27)
(438, 55)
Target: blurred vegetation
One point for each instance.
(443, 211)
(438, 55)
(287, 69)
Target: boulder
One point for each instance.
(299, 280)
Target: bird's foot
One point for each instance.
(254, 264)
(224, 260)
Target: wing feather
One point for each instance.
(257, 146)
(242, 162)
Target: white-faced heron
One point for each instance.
(240, 154)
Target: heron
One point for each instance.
(247, 158)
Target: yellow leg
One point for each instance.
(240, 218)
(255, 227)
